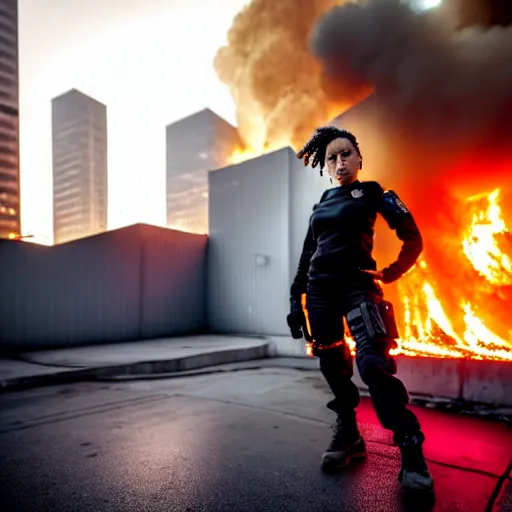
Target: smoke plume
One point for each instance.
(273, 77)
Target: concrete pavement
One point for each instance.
(168, 355)
(245, 441)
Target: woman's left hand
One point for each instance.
(379, 276)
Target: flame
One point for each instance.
(480, 244)
(241, 154)
(428, 328)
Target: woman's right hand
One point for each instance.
(296, 320)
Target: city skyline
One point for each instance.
(147, 82)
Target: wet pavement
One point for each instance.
(245, 441)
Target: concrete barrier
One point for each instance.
(486, 382)
(430, 376)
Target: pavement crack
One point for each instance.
(253, 407)
(78, 413)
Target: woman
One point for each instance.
(337, 273)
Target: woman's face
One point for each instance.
(342, 161)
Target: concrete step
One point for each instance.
(169, 355)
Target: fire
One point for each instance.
(428, 326)
(480, 244)
(240, 155)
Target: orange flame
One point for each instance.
(241, 154)
(427, 328)
(480, 244)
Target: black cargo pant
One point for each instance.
(326, 309)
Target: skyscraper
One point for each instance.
(195, 145)
(9, 121)
(80, 186)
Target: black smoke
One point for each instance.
(437, 82)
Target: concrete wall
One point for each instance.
(133, 283)
(248, 269)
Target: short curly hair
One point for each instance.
(316, 146)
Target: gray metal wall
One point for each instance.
(134, 283)
(259, 211)
(248, 249)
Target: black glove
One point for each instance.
(297, 321)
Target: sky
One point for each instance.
(149, 61)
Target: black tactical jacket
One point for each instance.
(339, 240)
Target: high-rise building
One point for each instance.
(195, 145)
(9, 121)
(80, 182)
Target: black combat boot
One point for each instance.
(346, 445)
(414, 474)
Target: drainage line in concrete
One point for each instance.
(497, 489)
